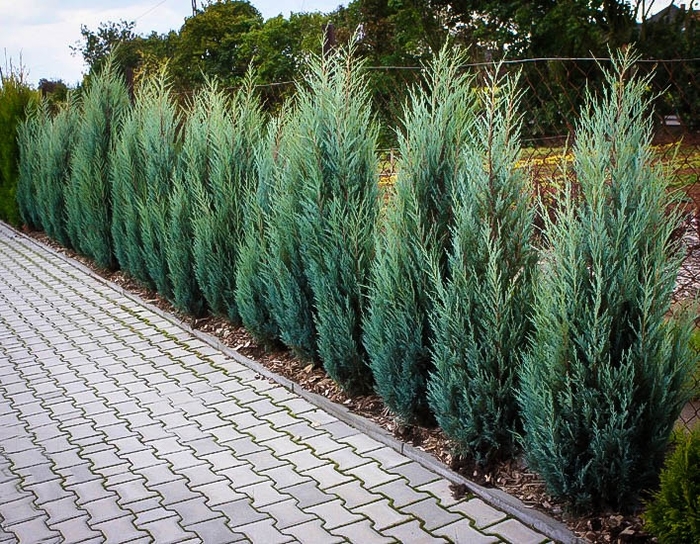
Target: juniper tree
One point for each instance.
(88, 195)
(397, 335)
(481, 317)
(60, 138)
(31, 139)
(128, 183)
(334, 158)
(230, 134)
(252, 276)
(288, 289)
(606, 376)
(158, 143)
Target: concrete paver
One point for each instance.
(118, 425)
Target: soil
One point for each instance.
(512, 476)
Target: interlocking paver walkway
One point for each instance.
(117, 425)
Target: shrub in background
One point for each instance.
(333, 157)
(608, 372)
(15, 97)
(397, 332)
(88, 195)
(229, 133)
(252, 293)
(674, 513)
(481, 319)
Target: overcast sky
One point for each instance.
(41, 31)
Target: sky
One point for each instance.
(40, 32)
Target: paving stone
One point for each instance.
(19, 510)
(432, 515)
(194, 510)
(35, 530)
(104, 510)
(387, 457)
(308, 494)
(361, 443)
(167, 531)
(47, 492)
(362, 531)
(242, 476)
(286, 514)
(264, 531)
(327, 476)
(90, 491)
(132, 491)
(215, 531)
(285, 476)
(345, 459)
(243, 446)
(416, 474)
(413, 532)
(313, 531)
(304, 460)
(263, 493)
(264, 460)
(461, 532)
(240, 513)
(372, 475)
(353, 494)
(334, 514)
(400, 493)
(217, 493)
(175, 491)
(75, 530)
(479, 512)
(121, 529)
(382, 514)
(201, 475)
(513, 531)
(442, 490)
(303, 430)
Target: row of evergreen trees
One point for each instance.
(442, 297)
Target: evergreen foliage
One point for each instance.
(129, 189)
(252, 296)
(606, 377)
(186, 294)
(89, 199)
(227, 136)
(333, 157)
(16, 98)
(143, 164)
(481, 319)
(58, 141)
(31, 138)
(159, 144)
(673, 516)
(289, 293)
(398, 337)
